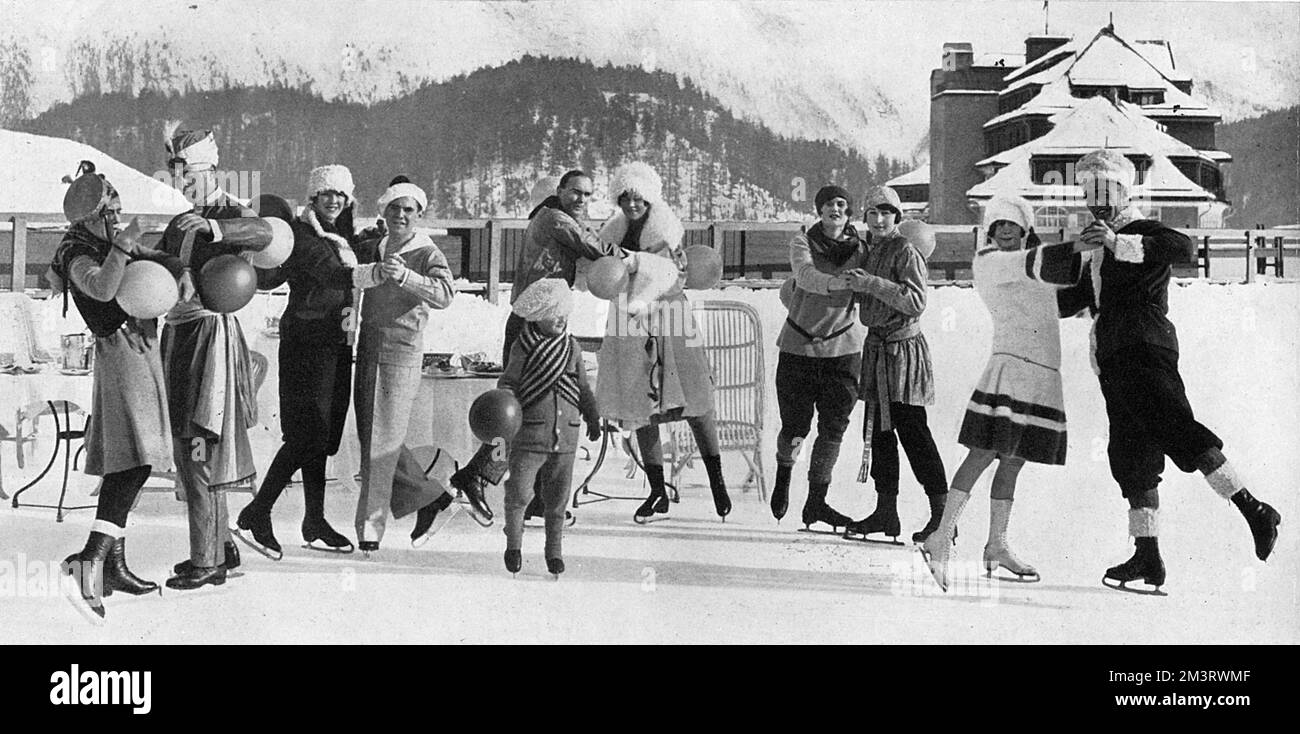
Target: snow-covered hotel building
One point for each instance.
(1002, 126)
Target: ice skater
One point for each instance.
(127, 433)
(820, 358)
(1017, 411)
(1136, 357)
(546, 375)
(653, 369)
(405, 277)
(897, 375)
(315, 360)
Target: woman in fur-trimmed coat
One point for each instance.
(315, 360)
(652, 364)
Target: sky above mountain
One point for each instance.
(852, 72)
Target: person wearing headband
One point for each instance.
(405, 277)
(126, 434)
(1135, 354)
(315, 359)
(209, 373)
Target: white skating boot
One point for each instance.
(997, 553)
(938, 546)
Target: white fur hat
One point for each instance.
(333, 177)
(544, 299)
(1108, 164)
(639, 177)
(397, 191)
(1010, 209)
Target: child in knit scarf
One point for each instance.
(546, 374)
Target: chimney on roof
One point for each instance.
(958, 56)
(1038, 46)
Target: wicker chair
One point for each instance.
(733, 345)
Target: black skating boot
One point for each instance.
(555, 566)
(657, 502)
(1263, 521)
(937, 501)
(87, 568)
(117, 577)
(255, 529)
(536, 509)
(514, 561)
(318, 535)
(816, 510)
(717, 486)
(883, 520)
(472, 486)
(1145, 565)
(781, 491)
(425, 516)
(368, 546)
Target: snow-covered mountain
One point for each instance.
(855, 73)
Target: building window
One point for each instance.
(1051, 217)
(1146, 97)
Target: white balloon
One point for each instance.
(274, 254)
(147, 290)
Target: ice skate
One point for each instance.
(514, 561)
(996, 557)
(815, 511)
(318, 535)
(368, 548)
(117, 577)
(937, 502)
(781, 492)
(936, 550)
(1145, 565)
(655, 504)
(431, 518)
(253, 528)
(87, 571)
(997, 552)
(1263, 521)
(535, 515)
(471, 487)
(555, 566)
(718, 486)
(883, 521)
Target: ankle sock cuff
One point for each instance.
(1143, 522)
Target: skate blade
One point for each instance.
(320, 547)
(247, 539)
(1015, 577)
(649, 520)
(1121, 586)
(877, 541)
(929, 565)
(815, 530)
(469, 508)
(439, 523)
(70, 589)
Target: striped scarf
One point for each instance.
(544, 367)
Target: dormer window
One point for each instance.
(1146, 97)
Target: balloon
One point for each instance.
(607, 277)
(495, 414)
(920, 234)
(703, 267)
(147, 290)
(274, 254)
(226, 283)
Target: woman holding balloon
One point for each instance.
(652, 364)
(120, 288)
